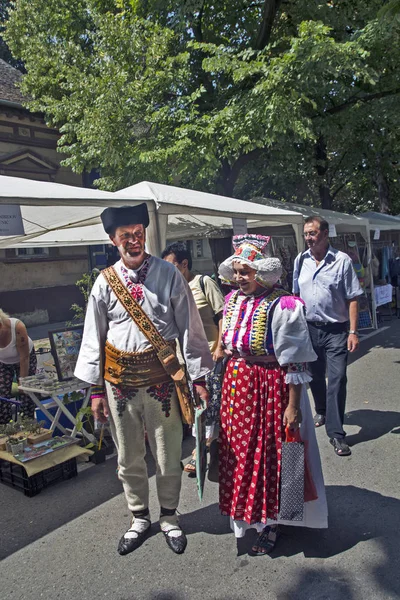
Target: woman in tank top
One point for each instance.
(17, 359)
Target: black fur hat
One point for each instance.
(124, 215)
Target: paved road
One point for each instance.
(61, 544)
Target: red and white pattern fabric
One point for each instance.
(255, 395)
(254, 399)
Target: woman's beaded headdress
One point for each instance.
(251, 249)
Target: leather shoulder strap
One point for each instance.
(134, 309)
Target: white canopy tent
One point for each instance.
(176, 201)
(381, 221)
(180, 227)
(187, 211)
(48, 207)
(343, 223)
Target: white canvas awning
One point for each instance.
(55, 214)
(343, 222)
(50, 207)
(18, 190)
(382, 221)
(172, 200)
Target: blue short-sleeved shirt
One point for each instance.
(326, 288)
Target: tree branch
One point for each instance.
(197, 25)
(232, 173)
(269, 12)
(355, 99)
(335, 170)
(335, 193)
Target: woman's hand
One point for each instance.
(218, 354)
(292, 417)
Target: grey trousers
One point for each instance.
(156, 409)
(330, 345)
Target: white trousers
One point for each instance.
(156, 409)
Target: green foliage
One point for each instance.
(295, 99)
(390, 10)
(84, 284)
(31, 425)
(5, 53)
(74, 396)
(84, 419)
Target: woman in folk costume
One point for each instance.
(266, 337)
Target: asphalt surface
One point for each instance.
(62, 543)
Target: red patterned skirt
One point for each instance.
(254, 399)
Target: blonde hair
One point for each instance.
(3, 316)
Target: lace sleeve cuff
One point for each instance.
(297, 373)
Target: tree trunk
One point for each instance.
(321, 166)
(230, 173)
(325, 196)
(382, 187)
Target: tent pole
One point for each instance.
(373, 301)
(298, 231)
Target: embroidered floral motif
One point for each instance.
(162, 392)
(136, 288)
(123, 395)
(296, 367)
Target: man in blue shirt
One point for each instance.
(325, 279)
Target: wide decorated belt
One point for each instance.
(264, 360)
(134, 369)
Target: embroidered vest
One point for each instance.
(257, 339)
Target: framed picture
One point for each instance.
(65, 345)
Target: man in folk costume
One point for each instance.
(132, 385)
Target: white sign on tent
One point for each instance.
(332, 230)
(11, 220)
(239, 226)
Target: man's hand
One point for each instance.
(202, 393)
(100, 409)
(352, 342)
(292, 417)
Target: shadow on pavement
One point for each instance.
(24, 520)
(355, 515)
(374, 424)
(325, 584)
(389, 338)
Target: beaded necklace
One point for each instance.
(135, 288)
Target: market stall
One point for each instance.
(63, 226)
(385, 262)
(349, 233)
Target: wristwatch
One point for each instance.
(353, 332)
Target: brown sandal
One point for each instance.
(190, 467)
(266, 541)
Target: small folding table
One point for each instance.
(59, 388)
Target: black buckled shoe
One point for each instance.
(177, 544)
(131, 543)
